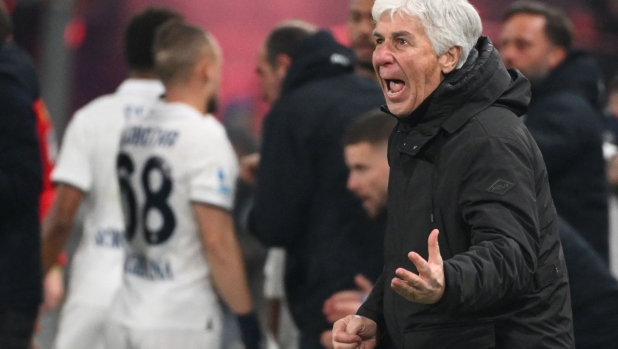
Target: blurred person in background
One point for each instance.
(86, 173)
(365, 145)
(472, 251)
(611, 112)
(360, 30)
(21, 176)
(610, 136)
(301, 202)
(17, 64)
(564, 115)
(177, 172)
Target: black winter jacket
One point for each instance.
(566, 122)
(464, 163)
(20, 186)
(594, 293)
(301, 200)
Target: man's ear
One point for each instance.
(204, 68)
(448, 60)
(283, 64)
(557, 54)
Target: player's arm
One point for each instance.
(224, 257)
(58, 223)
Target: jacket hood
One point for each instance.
(16, 65)
(579, 74)
(320, 56)
(481, 82)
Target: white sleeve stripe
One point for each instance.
(212, 197)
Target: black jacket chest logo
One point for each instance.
(500, 187)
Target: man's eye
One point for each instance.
(402, 41)
(379, 41)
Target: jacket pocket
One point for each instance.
(548, 274)
(477, 335)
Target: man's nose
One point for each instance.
(382, 55)
(352, 182)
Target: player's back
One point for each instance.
(168, 160)
(87, 162)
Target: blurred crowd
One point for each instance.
(268, 240)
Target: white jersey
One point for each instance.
(172, 158)
(87, 161)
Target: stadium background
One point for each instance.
(77, 43)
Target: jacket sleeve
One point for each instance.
(20, 157)
(498, 200)
(562, 127)
(285, 181)
(373, 307)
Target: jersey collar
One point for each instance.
(141, 87)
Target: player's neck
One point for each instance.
(187, 95)
(143, 74)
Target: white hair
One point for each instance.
(447, 23)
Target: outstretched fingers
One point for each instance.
(434, 248)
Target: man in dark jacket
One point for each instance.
(565, 116)
(20, 186)
(594, 291)
(301, 200)
(466, 176)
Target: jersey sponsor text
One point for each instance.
(147, 268)
(149, 137)
(109, 237)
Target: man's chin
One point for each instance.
(397, 109)
(371, 211)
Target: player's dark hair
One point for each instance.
(373, 127)
(286, 39)
(558, 27)
(139, 36)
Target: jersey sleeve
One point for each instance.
(73, 165)
(214, 171)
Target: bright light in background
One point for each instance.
(75, 33)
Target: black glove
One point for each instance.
(250, 330)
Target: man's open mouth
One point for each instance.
(394, 87)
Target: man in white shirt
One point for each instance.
(85, 173)
(177, 172)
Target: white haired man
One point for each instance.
(467, 176)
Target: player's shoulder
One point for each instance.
(113, 105)
(103, 109)
(211, 125)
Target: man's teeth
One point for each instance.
(395, 86)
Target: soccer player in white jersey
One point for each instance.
(86, 173)
(177, 172)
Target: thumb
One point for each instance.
(434, 248)
(363, 283)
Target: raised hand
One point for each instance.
(428, 286)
